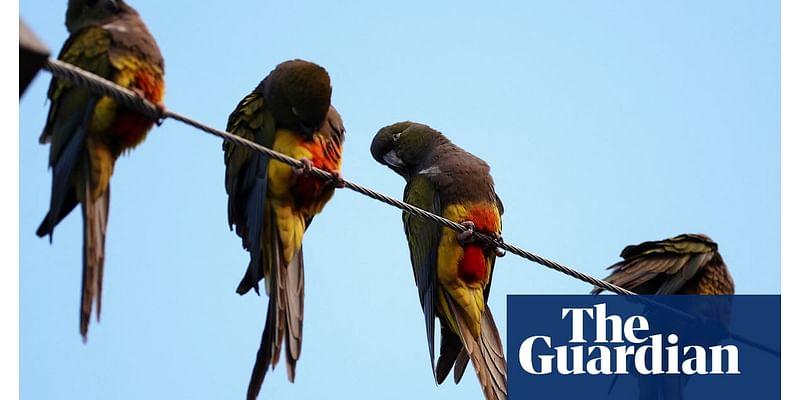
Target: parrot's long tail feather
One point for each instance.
(264, 355)
(95, 220)
(284, 317)
(293, 292)
(270, 348)
(486, 354)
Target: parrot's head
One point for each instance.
(406, 147)
(299, 94)
(83, 13)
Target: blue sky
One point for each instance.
(605, 123)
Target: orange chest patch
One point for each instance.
(322, 156)
(485, 219)
(308, 189)
(128, 127)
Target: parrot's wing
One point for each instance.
(246, 180)
(662, 267)
(500, 207)
(68, 119)
(332, 130)
(87, 49)
(423, 242)
(493, 256)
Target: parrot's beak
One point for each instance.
(393, 160)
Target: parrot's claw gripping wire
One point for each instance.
(468, 236)
(306, 168)
(162, 113)
(499, 239)
(337, 179)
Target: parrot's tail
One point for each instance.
(486, 354)
(284, 317)
(492, 350)
(95, 220)
(294, 292)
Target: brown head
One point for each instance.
(83, 13)
(298, 93)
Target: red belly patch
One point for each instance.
(472, 268)
(306, 190)
(129, 128)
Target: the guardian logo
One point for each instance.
(627, 347)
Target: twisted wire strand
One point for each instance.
(131, 100)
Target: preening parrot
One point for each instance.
(453, 271)
(88, 132)
(272, 204)
(687, 264)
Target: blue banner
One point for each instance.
(643, 347)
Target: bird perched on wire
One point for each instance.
(687, 264)
(88, 132)
(684, 264)
(271, 204)
(453, 271)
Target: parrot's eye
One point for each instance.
(396, 136)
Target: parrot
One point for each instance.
(684, 264)
(687, 264)
(452, 271)
(88, 132)
(271, 204)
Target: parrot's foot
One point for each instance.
(303, 171)
(337, 180)
(306, 168)
(161, 109)
(498, 238)
(468, 236)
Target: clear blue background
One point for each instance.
(606, 123)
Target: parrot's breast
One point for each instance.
(129, 128)
(471, 259)
(307, 194)
(463, 270)
(308, 190)
(473, 267)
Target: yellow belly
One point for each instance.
(290, 223)
(468, 296)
